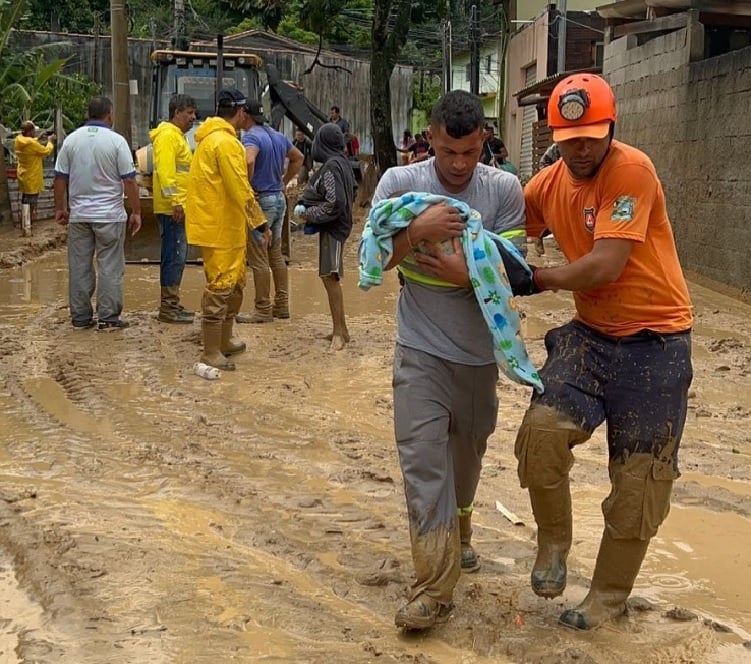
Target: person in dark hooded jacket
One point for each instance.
(326, 208)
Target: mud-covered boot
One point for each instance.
(618, 563)
(169, 307)
(469, 562)
(281, 283)
(231, 346)
(212, 340)
(421, 613)
(552, 510)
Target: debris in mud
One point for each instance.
(145, 629)
(717, 627)
(681, 615)
(20, 494)
(640, 604)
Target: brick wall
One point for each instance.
(691, 116)
(46, 204)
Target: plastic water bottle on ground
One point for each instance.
(206, 371)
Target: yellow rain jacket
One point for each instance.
(221, 205)
(172, 157)
(30, 153)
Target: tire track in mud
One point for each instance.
(259, 519)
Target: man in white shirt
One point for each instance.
(96, 164)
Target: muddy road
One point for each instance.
(150, 516)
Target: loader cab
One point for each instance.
(194, 73)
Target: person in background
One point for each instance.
(445, 372)
(404, 145)
(304, 145)
(95, 167)
(335, 116)
(624, 360)
(172, 157)
(551, 155)
(419, 150)
(31, 152)
(266, 150)
(494, 152)
(326, 208)
(219, 210)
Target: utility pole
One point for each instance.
(474, 51)
(120, 75)
(446, 60)
(180, 39)
(562, 19)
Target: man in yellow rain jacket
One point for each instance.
(172, 157)
(220, 208)
(30, 153)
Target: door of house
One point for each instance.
(529, 115)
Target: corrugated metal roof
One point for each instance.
(542, 89)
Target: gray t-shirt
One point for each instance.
(95, 160)
(448, 322)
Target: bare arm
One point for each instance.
(601, 266)
(61, 209)
(250, 159)
(131, 192)
(295, 158)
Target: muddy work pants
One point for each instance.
(443, 415)
(639, 386)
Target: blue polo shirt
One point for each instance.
(273, 147)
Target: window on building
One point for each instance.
(488, 63)
(598, 50)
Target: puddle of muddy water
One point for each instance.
(685, 565)
(45, 281)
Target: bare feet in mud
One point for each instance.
(338, 342)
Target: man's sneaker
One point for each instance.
(111, 325)
(255, 317)
(87, 325)
(421, 613)
(175, 316)
(470, 563)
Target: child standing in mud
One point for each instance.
(326, 208)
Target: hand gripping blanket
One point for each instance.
(485, 266)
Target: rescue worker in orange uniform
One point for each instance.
(624, 360)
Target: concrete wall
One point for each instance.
(91, 56)
(489, 80)
(324, 87)
(527, 47)
(691, 117)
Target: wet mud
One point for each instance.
(148, 515)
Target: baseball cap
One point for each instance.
(229, 97)
(255, 110)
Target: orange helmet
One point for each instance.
(581, 106)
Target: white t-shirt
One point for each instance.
(95, 160)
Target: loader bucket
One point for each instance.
(146, 246)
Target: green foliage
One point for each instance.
(425, 92)
(72, 92)
(67, 15)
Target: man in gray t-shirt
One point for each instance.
(445, 403)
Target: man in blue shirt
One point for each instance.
(266, 151)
